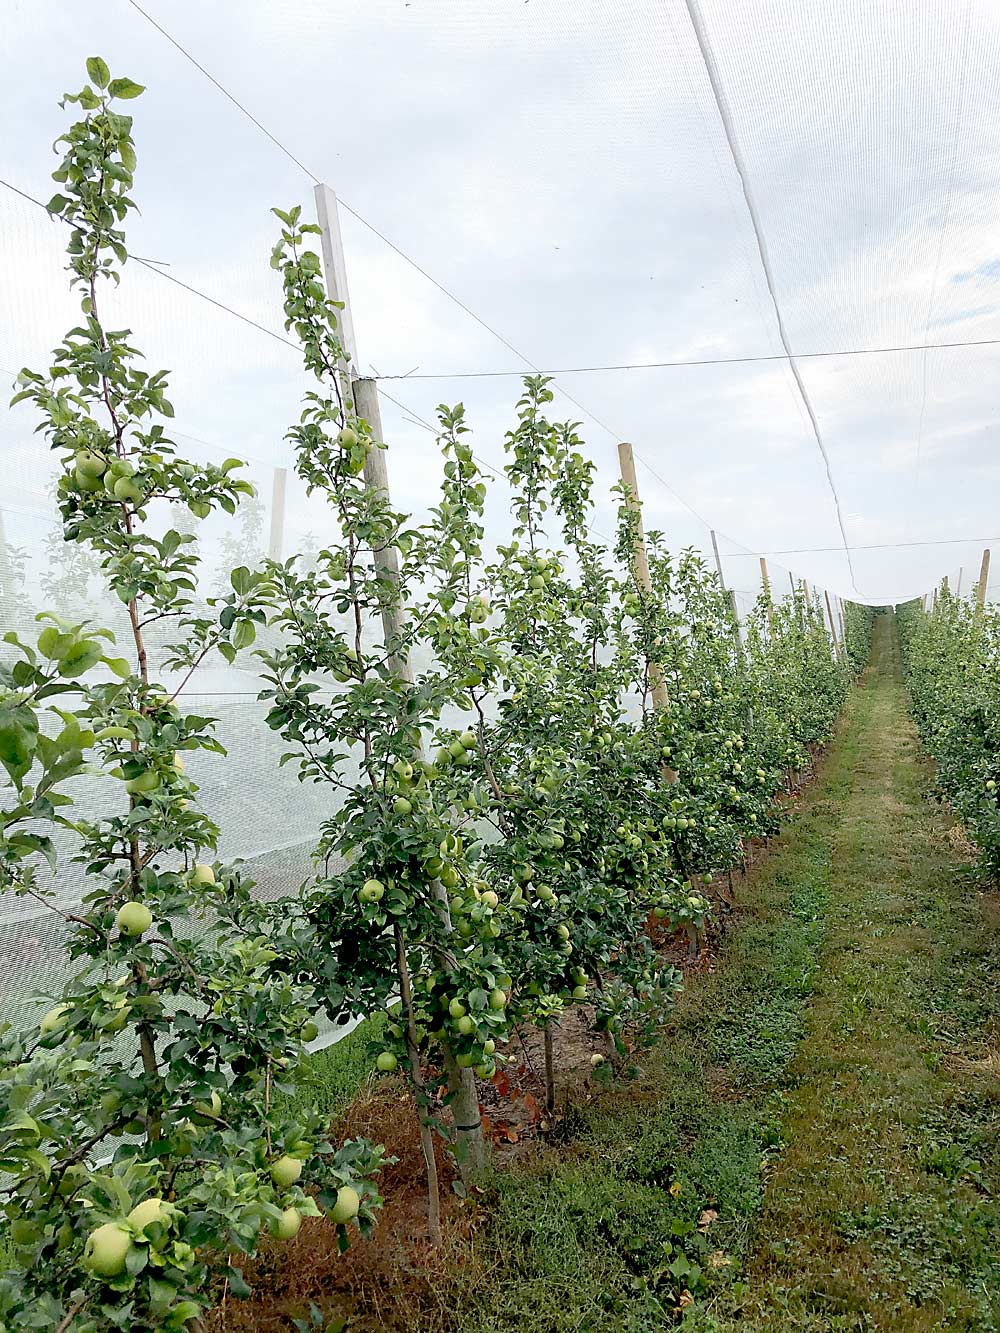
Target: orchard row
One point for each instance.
(952, 659)
(536, 766)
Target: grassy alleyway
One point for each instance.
(814, 1145)
(882, 1211)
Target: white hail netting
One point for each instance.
(563, 170)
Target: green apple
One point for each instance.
(486, 1069)
(498, 998)
(309, 1031)
(562, 930)
(54, 1020)
(107, 1249)
(596, 1060)
(579, 992)
(144, 783)
(466, 1025)
(490, 899)
(133, 918)
(346, 1207)
(401, 806)
(456, 749)
(347, 438)
(489, 1046)
(386, 1062)
(287, 1226)
(89, 463)
(537, 582)
(371, 891)
(468, 740)
(448, 876)
(403, 770)
(286, 1171)
(127, 491)
(85, 482)
(202, 876)
(456, 1008)
(150, 1210)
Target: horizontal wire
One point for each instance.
(696, 361)
(873, 546)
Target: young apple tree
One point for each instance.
(385, 922)
(141, 1144)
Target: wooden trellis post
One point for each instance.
(360, 397)
(737, 634)
(984, 578)
(640, 571)
(833, 629)
(767, 592)
(275, 547)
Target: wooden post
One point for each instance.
(361, 399)
(767, 592)
(275, 547)
(958, 589)
(843, 628)
(718, 557)
(738, 636)
(984, 578)
(833, 629)
(640, 571)
(335, 267)
(386, 557)
(640, 560)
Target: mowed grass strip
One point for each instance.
(882, 1211)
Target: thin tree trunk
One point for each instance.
(423, 1103)
(550, 1078)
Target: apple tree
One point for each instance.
(142, 1144)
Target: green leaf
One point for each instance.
(18, 740)
(98, 72)
(56, 205)
(125, 88)
(242, 580)
(84, 654)
(118, 665)
(244, 634)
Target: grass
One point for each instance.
(814, 1145)
(331, 1078)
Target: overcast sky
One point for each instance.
(561, 167)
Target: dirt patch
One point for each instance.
(397, 1269)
